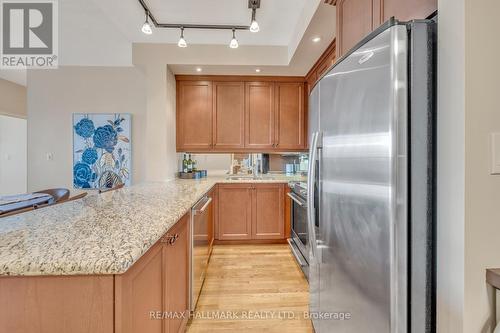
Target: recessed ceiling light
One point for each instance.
(316, 39)
(198, 69)
(257, 70)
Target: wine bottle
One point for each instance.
(189, 164)
(185, 164)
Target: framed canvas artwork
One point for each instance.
(102, 154)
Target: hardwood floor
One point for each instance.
(248, 284)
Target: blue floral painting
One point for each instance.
(101, 150)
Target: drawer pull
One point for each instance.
(169, 239)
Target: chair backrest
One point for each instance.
(59, 194)
(18, 211)
(78, 196)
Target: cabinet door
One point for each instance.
(289, 116)
(235, 212)
(268, 213)
(406, 10)
(260, 118)
(138, 292)
(354, 21)
(194, 115)
(229, 115)
(176, 270)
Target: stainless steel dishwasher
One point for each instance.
(199, 247)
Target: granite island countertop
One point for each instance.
(101, 233)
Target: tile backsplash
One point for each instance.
(222, 162)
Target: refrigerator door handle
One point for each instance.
(311, 178)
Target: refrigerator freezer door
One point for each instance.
(313, 112)
(362, 240)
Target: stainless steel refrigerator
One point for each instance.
(371, 173)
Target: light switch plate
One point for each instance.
(495, 153)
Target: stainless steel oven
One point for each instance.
(299, 241)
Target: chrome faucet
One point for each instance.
(256, 160)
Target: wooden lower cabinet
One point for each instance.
(251, 212)
(235, 212)
(139, 292)
(158, 281)
(157, 284)
(268, 213)
(176, 271)
(56, 304)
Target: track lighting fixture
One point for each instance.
(146, 27)
(182, 41)
(234, 42)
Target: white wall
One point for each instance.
(88, 38)
(450, 166)
(482, 190)
(13, 173)
(161, 94)
(54, 95)
(12, 99)
(468, 196)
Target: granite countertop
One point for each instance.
(101, 233)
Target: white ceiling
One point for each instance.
(14, 75)
(107, 33)
(297, 62)
(277, 19)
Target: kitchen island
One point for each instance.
(90, 265)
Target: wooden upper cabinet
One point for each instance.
(235, 212)
(238, 114)
(325, 61)
(289, 132)
(260, 117)
(268, 211)
(354, 22)
(357, 18)
(229, 115)
(194, 115)
(406, 10)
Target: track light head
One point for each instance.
(182, 41)
(146, 27)
(254, 26)
(234, 42)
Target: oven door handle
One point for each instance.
(296, 198)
